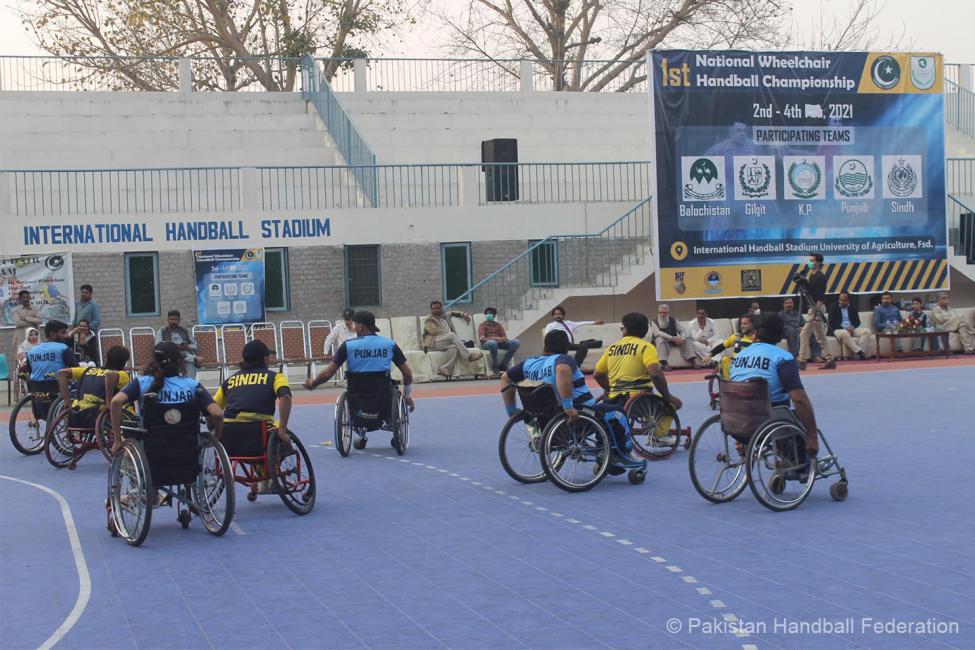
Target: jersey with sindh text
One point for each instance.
(625, 363)
(90, 392)
(251, 395)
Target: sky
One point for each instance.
(946, 26)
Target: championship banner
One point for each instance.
(230, 286)
(49, 279)
(765, 157)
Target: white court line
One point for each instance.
(237, 529)
(84, 579)
(717, 604)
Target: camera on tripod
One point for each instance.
(800, 280)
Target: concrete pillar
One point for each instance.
(525, 71)
(185, 76)
(359, 75)
(249, 190)
(468, 185)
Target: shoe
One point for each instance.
(695, 364)
(802, 364)
(265, 487)
(443, 372)
(616, 458)
(664, 441)
(861, 356)
(664, 365)
(475, 355)
(829, 365)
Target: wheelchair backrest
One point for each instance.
(157, 414)
(369, 395)
(744, 406)
(245, 439)
(538, 399)
(173, 451)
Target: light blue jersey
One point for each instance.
(46, 359)
(773, 364)
(543, 369)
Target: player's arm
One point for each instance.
(509, 378)
(64, 374)
(601, 372)
(129, 393)
(282, 390)
(563, 386)
(788, 372)
(656, 374)
(111, 381)
(330, 370)
(399, 360)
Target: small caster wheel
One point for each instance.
(184, 518)
(359, 443)
(839, 491)
(637, 476)
(776, 485)
(252, 496)
(72, 466)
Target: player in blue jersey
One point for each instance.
(766, 360)
(44, 360)
(557, 368)
(367, 354)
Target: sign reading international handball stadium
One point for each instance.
(765, 157)
(230, 285)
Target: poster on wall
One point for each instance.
(230, 285)
(48, 278)
(765, 157)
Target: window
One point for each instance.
(142, 284)
(545, 264)
(362, 281)
(455, 262)
(276, 296)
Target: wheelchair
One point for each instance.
(172, 456)
(372, 401)
(654, 425)
(74, 433)
(753, 443)
(519, 443)
(257, 455)
(32, 415)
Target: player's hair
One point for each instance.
(54, 326)
(87, 286)
(558, 308)
(556, 342)
(117, 357)
(769, 328)
(636, 324)
(817, 256)
(174, 312)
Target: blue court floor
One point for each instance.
(440, 549)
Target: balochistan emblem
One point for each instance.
(703, 184)
(713, 280)
(923, 72)
(804, 179)
(755, 178)
(901, 180)
(853, 180)
(886, 72)
(679, 285)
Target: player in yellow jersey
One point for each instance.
(735, 344)
(95, 387)
(632, 365)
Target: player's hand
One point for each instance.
(707, 360)
(117, 443)
(467, 318)
(284, 436)
(328, 357)
(675, 402)
(679, 340)
(571, 415)
(599, 322)
(409, 403)
(309, 384)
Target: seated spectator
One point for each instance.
(581, 348)
(792, 323)
(84, 342)
(491, 336)
(341, 333)
(439, 336)
(917, 313)
(703, 333)
(886, 314)
(844, 323)
(950, 320)
(179, 336)
(667, 332)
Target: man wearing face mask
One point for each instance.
(815, 320)
(491, 336)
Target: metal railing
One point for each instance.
(356, 151)
(565, 261)
(52, 192)
(441, 75)
(960, 108)
(588, 76)
(960, 184)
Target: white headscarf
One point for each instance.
(27, 345)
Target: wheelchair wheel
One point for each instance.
(60, 442)
(213, 492)
(130, 494)
(57, 407)
(518, 449)
(103, 431)
(343, 426)
(27, 438)
(645, 413)
(717, 463)
(779, 473)
(292, 474)
(575, 457)
(401, 424)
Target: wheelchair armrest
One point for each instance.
(133, 432)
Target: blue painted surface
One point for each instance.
(399, 555)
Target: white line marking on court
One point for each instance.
(514, 497)
(749, 646)
(403, 460)
(624, 542)
(527, 503)
(607, 534)
(442, 471)
(542, 508)
(430, 466)
(475, 482)
(501, 492)
(657, 558)
(237, 529)
(588, 527)
(455, 475)
(641, 550)
(673, 568)
(704, 591)
(556, 514)
(416, 463)
(573, 521)
(690, 579)
(464, 478)
(717, 604)
(84, 579)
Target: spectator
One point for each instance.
(32, 338)
(181, 337)
(754, 309)
(569, 327)
(439, 335)
(703, 333)
(24, 317)
(791, 324)
(844, 323)
(84, 342)
(950, 320)
(88, 310)
(886, 314)
(491, 336)
(815, 325)
(339, 334)
(917, 312)
(668, 331)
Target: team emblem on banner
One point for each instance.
(713, 282)
(756, 177)
(886, 72)
(679, 285)
(703, 178)
(902, 177)
(804, 176)
(853, 176)
(923, 72)
(751, 279)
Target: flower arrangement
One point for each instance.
(910, 325)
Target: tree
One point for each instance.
(239, 43)
(838, 26)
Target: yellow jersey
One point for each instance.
(625, 363)
(251, 395)
(90, 392)
(734, 344)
